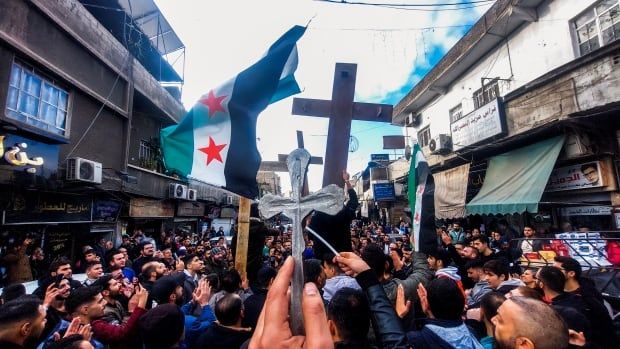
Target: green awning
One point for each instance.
(515, 180)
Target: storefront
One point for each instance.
(149, 215)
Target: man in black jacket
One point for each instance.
(227, 332)
(570, 307)
(254, 304)
(335, 229)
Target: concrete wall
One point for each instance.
(535, 49)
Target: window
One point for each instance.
(598, 26)
(456, 113)
(486, 94)
(36, 101)
(424, 136)
(146, 152)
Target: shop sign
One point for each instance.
(479, 125)
(586, 211)
(190, 209)
(149, 208)
(380, 157)
(580, 176)
(43, 208)
(383, 191)
(23, 155)
(228, 212)
(106, 210)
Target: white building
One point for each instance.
(528, 71)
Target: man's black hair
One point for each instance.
(475, 264)
(375, 258)
(498, 267)
(214, 282)
(92, 264)
(143, 244)
(570, 264)
(103, 283)
(445, 299)
(264, 276)
(228, 309)
(79, 297)
(442, 255)
(553, 278)
(312, 270)
(19, 309)
(58, 262)
(482, 238)
(109, 256)
(188, 259)
(11, 292)
(231, 281)
(585, 166)
(350, 311)
(490, 302)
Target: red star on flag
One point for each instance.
(213, 151)
(213, 103)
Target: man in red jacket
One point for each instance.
(90, 309)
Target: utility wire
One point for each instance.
(419, 7)
(408, 5)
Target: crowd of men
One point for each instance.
(181, 291)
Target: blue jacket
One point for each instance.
(195, 326)
(443, 334)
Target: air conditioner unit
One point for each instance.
(413, 120)
(440, 144)
(84, 170)
(229, 199)
(192, 194)
(177, 191)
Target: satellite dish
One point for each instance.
(354, 144)
(407, 152)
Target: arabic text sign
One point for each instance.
(580, 176)
(383, 191)
(586, 211)
(106, 210)
(483, 123)
(49, 208)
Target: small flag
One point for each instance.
(421, 190)
(215, 142)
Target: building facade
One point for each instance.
(518, 120)
(84, 91)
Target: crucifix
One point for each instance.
(281, 166)
(341, 110)
(328, 200)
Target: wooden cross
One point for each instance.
(341, 110)
(281, 166)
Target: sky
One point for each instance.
(393, 49)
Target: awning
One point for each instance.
(450, 192)
(515, 180)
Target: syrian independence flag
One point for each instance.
(421, 191)
(215, 142)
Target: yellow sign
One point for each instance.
(16, 155)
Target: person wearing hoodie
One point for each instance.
(497, 274)
(443, 304)
(439, 261)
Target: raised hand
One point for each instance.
(398, 263)
(423, 295)
(273, 329)
(403, 306)
(351, 263)
(50, 294)
(202, 293)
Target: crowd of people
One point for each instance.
(182, 291)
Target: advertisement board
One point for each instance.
(579, 176)
(479, 125)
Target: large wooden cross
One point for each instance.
(341, 110)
